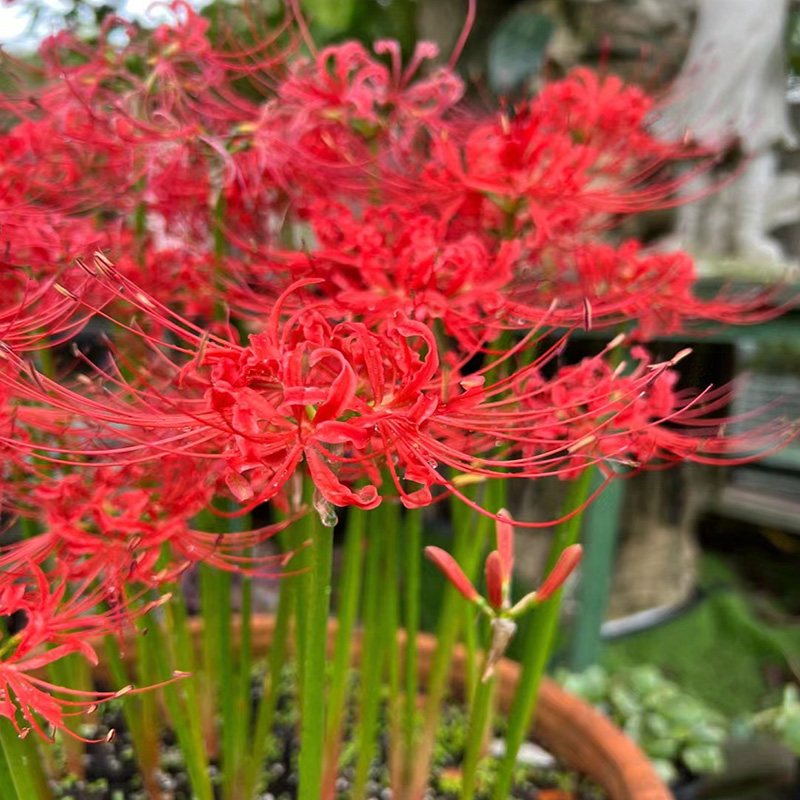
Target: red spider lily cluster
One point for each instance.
(329, 264)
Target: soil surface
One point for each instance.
(111, 771)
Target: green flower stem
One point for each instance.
(183, 657)
(391, 623)
(471, 530)
(6, 771)
(276, 658)
(146, 741)
(140, 228)
(463, 517)
(46, 363)
(218, 620)
(235, 686)
(218, 229)
(471, 646)
(171, 647)
(147, 705)
(269, 696)
(347, 611)
(412, 543)
(24, 764)
(372, 654)
(234, 777)
(312, 723)
(217, 656)
(301, 537)
(480, 716)
(72, 671)
(539, 641)
(180, 699)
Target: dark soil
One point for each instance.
(111, 772)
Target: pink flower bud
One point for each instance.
(504, 530)
(450, 569)
(566, 563)
(494, 580)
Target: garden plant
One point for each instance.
(253, 293)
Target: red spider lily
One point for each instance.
(626, 284)
(168, 150)
(97, 136)
(349, 402)
(392, 260)
(607, 414)
(563, 568)
(498, 574)
(493, 573)
(344, 109)
(163, 84)
(63, 624)
(395, 260)
(342, 398)
(451, 569)
(36, 315)
(122, 529)
(545, 172)
(499, 585)
(336, 271)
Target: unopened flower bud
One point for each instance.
(452, 571)
(564, 567)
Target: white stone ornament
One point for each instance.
(732, 91)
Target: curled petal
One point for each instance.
(335, 432)
(333, 490)
(342, 389)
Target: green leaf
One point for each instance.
(625, 702)
(666, 770)
(657, 725)
(704, 758)
(665, 749)
(591, 684)
(706, 732)
(517, 48)
(633, 727)
(647, 679)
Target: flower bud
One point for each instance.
(453, 572)
(564, 567)
(494, 580)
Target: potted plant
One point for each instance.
(323, 282)
(683, 737)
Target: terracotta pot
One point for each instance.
(574, 732)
